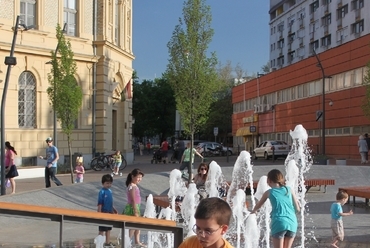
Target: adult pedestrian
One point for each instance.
(362, 148)
(148, 146)
(367, 139)
(51, 158)
(164, 150)
(10, 169)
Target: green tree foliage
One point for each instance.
(266, 68)
(154, 108)
(64, 93)
(191, 73)
(366, 101)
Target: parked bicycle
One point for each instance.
(106, 162)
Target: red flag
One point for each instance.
(128, 91)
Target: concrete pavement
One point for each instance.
(26, 232)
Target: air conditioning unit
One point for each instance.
(267, 107)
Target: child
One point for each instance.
(336, 217)
(80, 171)
(284, 204)
(105, 205)
(134, 200)
(212, 218)
(117, 158)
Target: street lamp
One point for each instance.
(9, 61)
(323, 102)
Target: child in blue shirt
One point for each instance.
(105, 205)
(336, 217)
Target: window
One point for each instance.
(357, 4)
(281, 43)
(70, 13)
(291, 56)
(326, 20)
(358, 27)
(291, 38)
(341, 12)
(326, 2)
(280, 60)
(26, 100)
(314, 45)
(314, 6)
(28, 12)
(281, 27)
(116, 23)
(326, 40)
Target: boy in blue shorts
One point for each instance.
(105, 205)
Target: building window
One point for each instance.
(116, 23)
(314, 45)
(314, 6)
(280, 61)
(341, 12)
(70, 13)
(26, 100)
(28, 12)
(326, 2)
(326, 20)
(358, 27)
(281, 27)
(326, 40)
(291, 56)
(357, 4)
(281, 43)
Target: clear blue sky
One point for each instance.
(241, 33)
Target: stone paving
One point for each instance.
(83, 196)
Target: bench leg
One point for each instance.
(324, 189)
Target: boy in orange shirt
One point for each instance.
(212, 218)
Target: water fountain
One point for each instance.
(246, 230)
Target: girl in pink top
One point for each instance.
(10, 169)
(80, 171)
(134, 200)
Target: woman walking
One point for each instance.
(10, 169)
(362, 148)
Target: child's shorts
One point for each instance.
(338, 230)
(79, 180)
(283, 234)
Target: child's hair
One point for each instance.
(341, 195)
(133, 173)
(215, 208)
(118, 152)
(106, 178)
(276, 176)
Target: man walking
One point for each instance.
(51, 158)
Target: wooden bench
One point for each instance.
(359, 191)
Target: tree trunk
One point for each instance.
(70, 158)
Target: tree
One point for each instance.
(366, 101)
(191, 74)
(154, 108)
(266, 68)
(64, 93)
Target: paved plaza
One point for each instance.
(83, 196)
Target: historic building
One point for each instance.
(100, 32)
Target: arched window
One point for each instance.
(26, 100)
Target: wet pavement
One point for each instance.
(21, 232)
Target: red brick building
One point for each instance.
(276, 102)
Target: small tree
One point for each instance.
(191, 74)
(64, 93)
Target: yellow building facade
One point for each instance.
(100, 32)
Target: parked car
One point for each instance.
(213, 148)
(267, 148)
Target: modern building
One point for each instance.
(268, 107)
(100, 33)
(299, 26)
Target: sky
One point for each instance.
(241, 33)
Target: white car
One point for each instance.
(267, 148)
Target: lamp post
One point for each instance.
(258, 88)
(323, 102)
(9, 61)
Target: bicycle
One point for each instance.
(106, 161)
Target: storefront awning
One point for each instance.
(243, 131)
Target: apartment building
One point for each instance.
(100, 32)
(299, 26)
